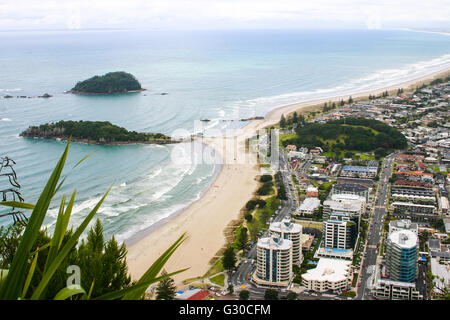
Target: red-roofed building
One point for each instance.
(291, 147)
(201, 295)
(413, 173)
(413, 184)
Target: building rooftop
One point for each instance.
(285, 226)
(442, 272)
(441, 254)
(347, 197)
(309, 204)
(274, 242)
(351, 187)
(434, 244)
(360, 168)
(403, 238)
(400, 203)
(349, 205)
(403, 224)
(332, 270)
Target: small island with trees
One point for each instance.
(110, 83)
(94, 132)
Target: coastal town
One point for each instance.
(345, 224)
(225, 159)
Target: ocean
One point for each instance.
(215, 75)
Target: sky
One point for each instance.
(224, 14)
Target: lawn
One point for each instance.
(365, 157)
(311, 224)
(287, 136)
(216, 268)
(261, 216)
(219, 280)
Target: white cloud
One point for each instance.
(75, 14)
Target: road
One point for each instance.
(375, 228)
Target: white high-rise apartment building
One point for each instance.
(340, 232)
(289, 231)
(274, 261)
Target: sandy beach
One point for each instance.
(206, 219)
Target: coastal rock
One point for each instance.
(8, 96)
(253, 118)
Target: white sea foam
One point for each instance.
(376, 80)
(5, 119)
(154, 174)
(10, 90)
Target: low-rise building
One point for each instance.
(353, 205)
(351, 188)
(308, 206)
(410, 207)
(359, 171)
(444, 205)
(307, 241)
(386, 289)
(312, 192)
(442, 275)
(404, 224)
(329, 275)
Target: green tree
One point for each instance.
(231, 289)
(57, 250)
(229, 259)
(9, 241)
(379, 153)
(242, 238)
(102, 263)
(166, 289)
(295, 117)
(301, 119)
(271, 294)
(112, 82)
(265, 178)
(291, 296)
(244, 295)
(249, 217)
(282, 121)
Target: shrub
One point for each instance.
(266, 178)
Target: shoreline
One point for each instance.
(112, 143)
(144, 232)
(228, 201)
(275, 114)
(83, 93)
